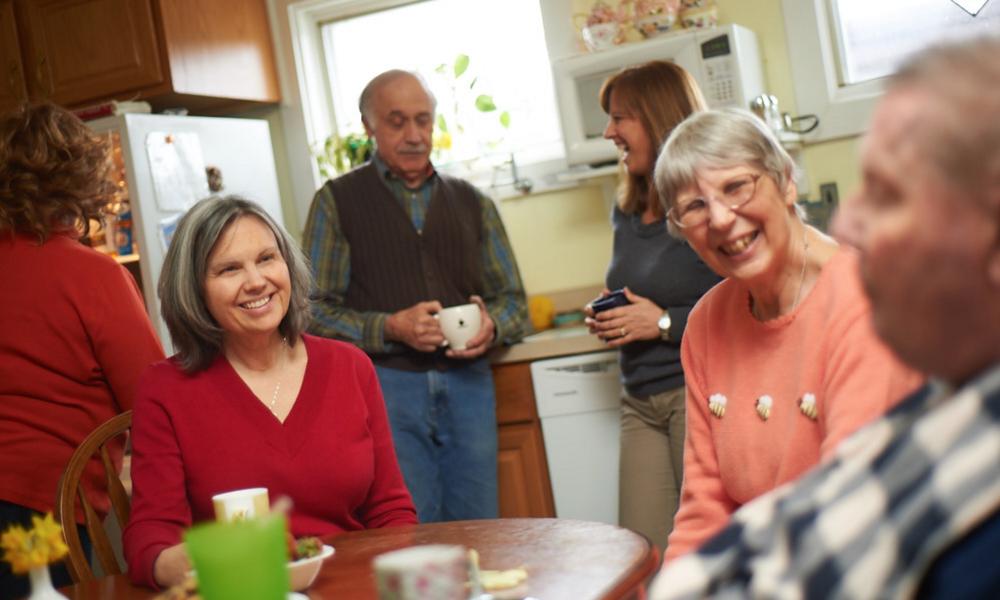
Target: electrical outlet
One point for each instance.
(828, 194)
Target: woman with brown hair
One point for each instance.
(74, 335)
(662, 280)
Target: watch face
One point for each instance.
(664, 322)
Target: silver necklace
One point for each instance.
(802, 280)
(802, 275)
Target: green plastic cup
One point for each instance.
(241, 560)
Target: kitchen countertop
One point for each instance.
(550, 343)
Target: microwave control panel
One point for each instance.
(721, 74)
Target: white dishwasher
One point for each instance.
(578, 401)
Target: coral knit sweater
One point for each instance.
(200, 435)
(825, 350)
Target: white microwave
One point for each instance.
(724, 61)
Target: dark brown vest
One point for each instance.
(393, 266)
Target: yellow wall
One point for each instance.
(562, 239)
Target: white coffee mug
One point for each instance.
(238, 505)
(431, 572)
(459, 324)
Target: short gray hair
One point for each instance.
(367, 99)
(717, 139)
(962, 138)
(196, 335)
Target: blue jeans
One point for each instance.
(445, 432)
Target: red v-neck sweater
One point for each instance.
(196, 436)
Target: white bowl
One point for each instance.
(303, 572)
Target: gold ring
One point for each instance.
(624, 333)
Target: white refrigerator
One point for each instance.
(163, 161)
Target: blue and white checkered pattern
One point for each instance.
(869, 522)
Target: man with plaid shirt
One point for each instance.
(909, 505)
(392, 243)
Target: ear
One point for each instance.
(791, 192)
(369, 130)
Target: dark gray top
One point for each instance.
(654, 264)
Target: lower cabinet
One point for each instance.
(522, 471)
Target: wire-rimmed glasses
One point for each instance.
(694, 212)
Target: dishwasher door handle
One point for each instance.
(566, 393)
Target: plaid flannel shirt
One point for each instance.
(869, 522)
(330, 253)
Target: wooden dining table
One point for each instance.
(563, 558)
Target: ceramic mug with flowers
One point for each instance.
(602, 26)
(655, 17)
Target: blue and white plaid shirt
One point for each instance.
(869, 522)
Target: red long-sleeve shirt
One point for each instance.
(74, 337)
(196, 436)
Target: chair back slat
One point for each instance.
(99, 539)
(120, 501)
(70, 491)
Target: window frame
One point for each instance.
(843, 111)
(305, 20)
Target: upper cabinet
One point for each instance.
(12, 88)
(203, 55)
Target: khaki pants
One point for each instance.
(651, 464)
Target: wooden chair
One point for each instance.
(69, 492)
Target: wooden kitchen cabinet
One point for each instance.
(522, 471)
(203, 55)
(12, 87)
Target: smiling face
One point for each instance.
(925, 245)
(247, 287)
(627, 132)
(402, 122)
(751, 243)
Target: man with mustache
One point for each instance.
(908, 506)
(392, 243)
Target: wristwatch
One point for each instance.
(664, 325)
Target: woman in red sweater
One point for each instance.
(781, 359)
(249, 400)
(74, 335)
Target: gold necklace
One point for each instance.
(277, 386)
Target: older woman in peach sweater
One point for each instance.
(781, 358)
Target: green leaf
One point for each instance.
(485, 103)
(441, 124)
(505, 119)
(461, 64)
(440, 68)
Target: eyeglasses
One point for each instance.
(695, 212)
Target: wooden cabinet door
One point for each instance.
(82, 50)
(12, 88)
(522, 474)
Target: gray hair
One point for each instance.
(367, 99)
(962, 139)
(718, 139)
(195, 334)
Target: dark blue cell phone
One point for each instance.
(612, 300)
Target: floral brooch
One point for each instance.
(717, 404)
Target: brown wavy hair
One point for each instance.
(660, 94)
(55, 172)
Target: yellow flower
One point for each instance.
(37, 547)
(442, 140)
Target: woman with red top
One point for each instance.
(781, 359)
(249, 400)
(74, 335)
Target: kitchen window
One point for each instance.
(485, 60)
(841, 50)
